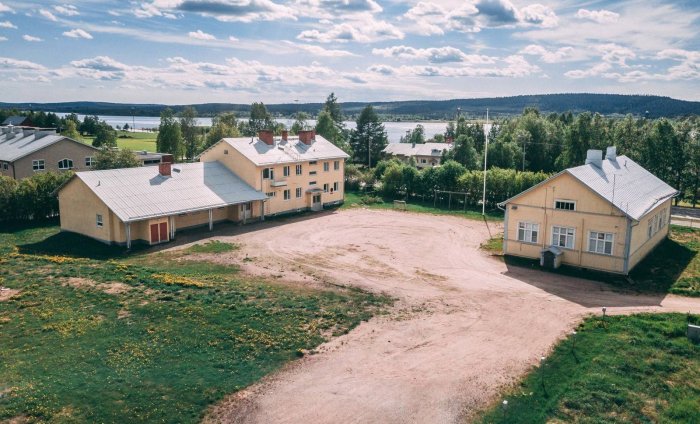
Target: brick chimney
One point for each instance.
(267, 136)
(285, 134)
(307, 136)
(165, 169)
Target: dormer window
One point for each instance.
(566, 205)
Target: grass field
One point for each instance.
(353, 199)
(624, 369)
(132, 140)
(91, 334)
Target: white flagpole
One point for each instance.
(486, 150)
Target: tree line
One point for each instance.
(32, 198)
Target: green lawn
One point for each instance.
(624, 369)
(354, 199)
(132, 140)
(96, 335)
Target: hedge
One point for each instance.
(32, 198)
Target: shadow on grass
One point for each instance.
(74, 245)
(662, 268)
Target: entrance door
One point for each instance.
(316, 202)
(163, 231)
(155, 238)
(159, 233)
(246, 209)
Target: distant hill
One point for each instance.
(606, 104)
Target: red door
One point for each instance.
(154, 234)
(163, 231)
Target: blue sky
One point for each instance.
(239, 51)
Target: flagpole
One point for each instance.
(486, 150)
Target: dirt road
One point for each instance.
(465, 324)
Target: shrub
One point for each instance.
(31, 198)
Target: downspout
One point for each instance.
(128, 235)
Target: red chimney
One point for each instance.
(167, 158)
(285, 133)
(165, 169)
(267, 136)
(307, 136)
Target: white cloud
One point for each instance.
(31, 38)
(433, 54)
(232, 38)
(5, 8)
(318, 50)
(561, 54)
(513, 66)
(361, 31)
(330, 9)
(200, 35)
(48, 15)
(67, 10)
(9, 63)
(590, 72)
(3, 38)
(614, 53)
(600, 16)
(78, 33)
(539, 14)
(7, 24)
(222, 10)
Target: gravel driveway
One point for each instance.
(465, 324)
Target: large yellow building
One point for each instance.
(237, 180)
(605, 215)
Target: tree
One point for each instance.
(188, 127)
(223, 126)
(89, 125)
(464, 152)
(113, 159)
(368, 139)
(105, 136)
(169, 138)
(260, 119)
(300, 123)
(71, 130)
(126, 127)
(333, 108)
(415, 136)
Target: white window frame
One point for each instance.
(336, 165)
(326, 186)
(299, 169)
(99, 221)
(89, 161)
(313, 162)
(5, 166)
(285, 171)
(287, 194)
(595, 242)
(573, 202)
(271, 194)
(326, 167)
(336, 185)
(312, 172)
(528, 229)
(559, 231)
(298, 192)
(69, 162)
(270, 173)
(38, 165)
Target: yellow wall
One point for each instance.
(252, 174)
(592, 214)
(641, 244)
(64, 149)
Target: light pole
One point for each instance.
(486, 150)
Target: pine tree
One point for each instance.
(188, 127)
(368, 139)
(169, 138)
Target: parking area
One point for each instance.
(464, 326)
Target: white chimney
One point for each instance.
(611, 153)
(594, 157)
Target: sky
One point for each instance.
(281, 51)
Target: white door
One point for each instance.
(316, 203)
(246, 209)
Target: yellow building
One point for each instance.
(295, 173)
(426, 155)
(605, 215)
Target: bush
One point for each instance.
(369, 199)
(32, 198)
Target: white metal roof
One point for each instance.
(622, 182)
(291, 150)
(135, 194)
(17, 143)
(408, 149)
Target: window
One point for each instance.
(298, 169)
(285, 171)
(270, 194)
(325, 188)
(65, 164)
(88, 161)
(563, 237)
(298, 192)
(528, 232)
(312, 183)
(600, 242)
(566, 205)
(4, 166)
(312, 173)
(326, 167)
(657, 222)
(423, 161)
(38, 165)
(336, 165)
(287, 194)
(313, 162)
(335, 186)
(98, 220)
(268, 174)
(226, 152)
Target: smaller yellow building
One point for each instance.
(304, 172)
(426, 155)
(605, 215)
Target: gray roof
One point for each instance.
(15, 120)
(17, 143)
(622, 182)
(408, 149)
(136, 194)
(290, 151)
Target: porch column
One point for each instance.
(211, 219)
(171, 224)
(262, 210)
(245, 208)
(128, 235)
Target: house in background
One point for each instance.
(605, 215)
(426, 155)
(151, 158)
(26, 151)
(295, 173)
(18, 121)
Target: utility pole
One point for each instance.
(369, 152)
(486, 151)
